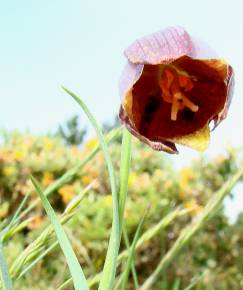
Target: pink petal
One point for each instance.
(161, 47)
(201, 50)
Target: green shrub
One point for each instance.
(216, 251)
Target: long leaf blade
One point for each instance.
(77, 274)
(131, 254)
(5, 277)
(109, 270)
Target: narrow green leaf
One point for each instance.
(109, 270)
(13, 221)
(195, 280)
(134, 273)
(19, 209)
(38, 246)
(124, 172)
(176, 285)
(5, 277)
(65, 284)
(153, 231)
(131, 254)
(40, 257)
(77, 274)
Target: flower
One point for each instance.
(172, 87)
(36, 222)
(193, 206)
(9, 171)
(109, 199)
(19, 155)
(186, 175)
(67, 192)
(47, 178)
(91, 144)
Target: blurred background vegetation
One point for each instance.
(214, 256)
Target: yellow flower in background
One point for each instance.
(4, 207)
(47, 178)
(87, 179)
(186, 175)
(91, 144)
(109, 199)
(8, 171)
(193, 206)
(19, 155)
(182, 194)
(132, 178)
(67, 192)
(36, 223)
(48, 144)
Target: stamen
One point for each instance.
(174, 110)
(171, 85)
(190, 104)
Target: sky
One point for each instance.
(79, 44)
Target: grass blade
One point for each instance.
(153, 231)
(13, 221)
(37, 247)
(40, 257)
(124, 172)
(79, 280)
(65, 284)
(210, 209)
(5, 277)
(17, 213)
(176, 285)
(134, 273)
(109, 270)
(195, 280)
(131, 254)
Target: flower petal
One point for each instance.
(130, 75)
(198, 140)
(161, 47)
(201, 50)
(166, 146)
(230, 82)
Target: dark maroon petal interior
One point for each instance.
(160, 145)
(152, 116)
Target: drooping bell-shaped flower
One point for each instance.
(172, 87)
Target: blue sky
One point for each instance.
(79, 44)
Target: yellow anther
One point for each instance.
(172, 85)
